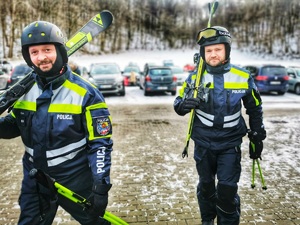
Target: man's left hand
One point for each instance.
(255, 149)
(99, 199)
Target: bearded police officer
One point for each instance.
(66, 129)
(218, 126)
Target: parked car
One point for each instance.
(269, 78)
(5, 66)
(180, 74)
(83, 71)
(4, 78)
(131, 75)
(168, 62)
(142, 75)
(294, 79)
(17, 73)
(108, 78)
(158, 79)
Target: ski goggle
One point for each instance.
(210, 34)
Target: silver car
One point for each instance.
(107, 77)
(294, 79)
(180, 74)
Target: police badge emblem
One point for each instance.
(103, 126)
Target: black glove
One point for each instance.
(255, 149)
(99, 199)
(257, 135)
(187, 105)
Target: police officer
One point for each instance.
(218, 126)
(75, 68)
(66, 129)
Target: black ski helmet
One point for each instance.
(214, 35)
(42, 32)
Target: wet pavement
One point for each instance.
(153, 184)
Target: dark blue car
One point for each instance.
(269, 78)
(157, 79)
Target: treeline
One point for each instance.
(268, 27)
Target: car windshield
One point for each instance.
(160, 72)
(177, 70)
(273, 71)
(298, 71)
(104, 69)
(21, 70)
(129, 69)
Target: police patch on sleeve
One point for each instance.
(103, 126)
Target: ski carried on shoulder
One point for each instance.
(212, 9)
(97, 24)
(91, 29)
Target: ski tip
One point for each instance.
(212, 7)
(106, 10)
(216, 5)
(107, 14)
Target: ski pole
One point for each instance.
(264, 187)
(212, 9)
(253, 174)
(45, 180)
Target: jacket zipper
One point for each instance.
(228, 101)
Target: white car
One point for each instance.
(180, 74)
(5, 66)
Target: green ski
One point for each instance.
(212, 9)
(55, 187)
(99, 23)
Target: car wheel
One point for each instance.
(297, 89)
(146, 93)
(173, 93)
(281, 92)
(122, 92)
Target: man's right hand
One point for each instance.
(187, 105)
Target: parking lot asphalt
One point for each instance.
(153, 184)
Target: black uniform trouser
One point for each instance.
(221, 200)
(33, 204)
(36, 205)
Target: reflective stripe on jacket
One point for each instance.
(219, 124)
(66, 128)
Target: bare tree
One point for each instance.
(270, 26)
